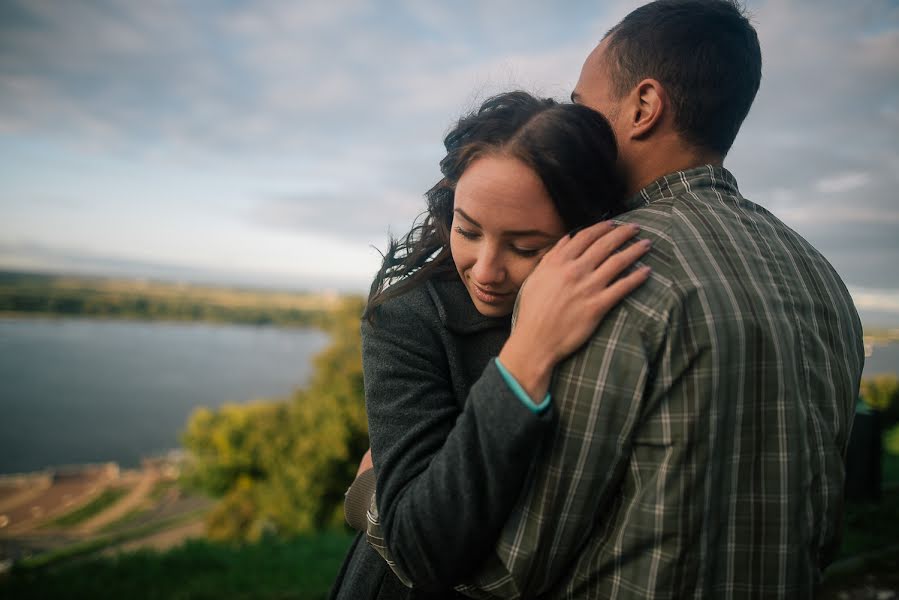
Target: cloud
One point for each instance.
(843, 182)
(326, 118)
(820, 147)
(886, 300)
(35, 257)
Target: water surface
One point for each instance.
(884, 360)
(80, 390)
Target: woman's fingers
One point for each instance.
(604, 247)
(618, 262)
(616, 292)
(584, 238)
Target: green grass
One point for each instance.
(161, 488)
(107, 498)
(300, 569)
(869, 554)
(96, 544)
(870, 527)
(890, 467)
(129, 517)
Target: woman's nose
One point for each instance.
(489, 268)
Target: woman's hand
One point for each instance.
(566, 297)
(365, 464)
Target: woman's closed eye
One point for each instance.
(467, 234)
(525, 252)
(520, 250)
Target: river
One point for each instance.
(80, 390)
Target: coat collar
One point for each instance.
(684, 182)
(457, 311)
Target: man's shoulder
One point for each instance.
(722, 254)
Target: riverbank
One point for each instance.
(82, 509)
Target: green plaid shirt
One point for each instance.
(703, 426)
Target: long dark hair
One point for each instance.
(570, 147)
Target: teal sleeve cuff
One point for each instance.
(519, 391)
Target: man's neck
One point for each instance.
(664, 159)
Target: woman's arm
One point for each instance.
(447, 479)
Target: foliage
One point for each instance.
(109, 298)
(283, 467)
(891, 442)
(881, 393)
(871, 526)
(300, 569)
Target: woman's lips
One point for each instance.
(488, 297)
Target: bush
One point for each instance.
(881, 393)
(283, 467)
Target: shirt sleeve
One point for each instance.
(598, 394)
(358, 498)
(447, 477)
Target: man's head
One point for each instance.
(674, 76)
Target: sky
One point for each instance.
(276, 144)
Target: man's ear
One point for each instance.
(650, 103)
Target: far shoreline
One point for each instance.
(45, 316)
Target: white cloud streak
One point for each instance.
(844, 182)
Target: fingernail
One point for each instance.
(635, 227)
(646, 243)
(646, 270)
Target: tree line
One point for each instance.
(36, 294)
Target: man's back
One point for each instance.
(702, 428)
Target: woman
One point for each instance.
(457, 407)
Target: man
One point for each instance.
(702, 428)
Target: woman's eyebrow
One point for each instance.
(467, 218)
(510, 233)
(526, 232)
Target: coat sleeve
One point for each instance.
(446, 478)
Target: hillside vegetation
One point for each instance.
(282, 467)
(34, 294)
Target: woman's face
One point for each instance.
(503, 223)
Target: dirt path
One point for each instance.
(53, 501)
(10, 499)
(133, 500)
(163, 540)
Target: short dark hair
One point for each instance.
(570, 147)
(706, 55)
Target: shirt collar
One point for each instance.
(684, 182)
(457, 311)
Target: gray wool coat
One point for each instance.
(452, 445)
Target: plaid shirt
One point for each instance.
(702, 427)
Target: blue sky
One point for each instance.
(276, 143)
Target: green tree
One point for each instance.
(882, 394)
(284, 466)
